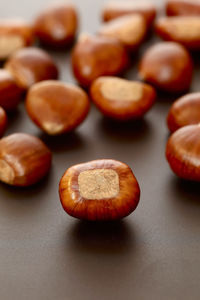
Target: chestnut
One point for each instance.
(130, 30)
(3, 121)
(99, 190)
(95, 56)
(31, 65)
(182, 29)
(184, 111)
(56, 107)
(183, 152)
(115, 9)
(10, 92)
(14, 34)
(168, 66)
(183, 7)
(24, 159)
(122, 99)
(56, 26)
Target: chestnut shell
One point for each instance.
(24, 159)
(184, 111)
(183, 152)
(3, 121)
(106, 209)
(168, 66)
(95, 56)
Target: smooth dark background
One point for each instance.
(152, 254)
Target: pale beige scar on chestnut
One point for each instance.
(98, 184)
(122, 90)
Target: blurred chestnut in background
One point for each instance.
(183, 7)
(122, 99)
(57, 107)
(24, 159)
(14, 34)
(100, 190)
(184, 111)
(183, 152)
(168, 66)
(115, 9)
(184, 30)
(130, 30)
(31, 65)
(10, 92)
(3, 121)
(95, 56)
(56, 26)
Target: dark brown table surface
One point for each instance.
(152, 254)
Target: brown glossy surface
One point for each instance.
(115, 9)
(151, 255)
(183, 7)
(183, 152)
(168, 66)
(3, 121)
(57, 107)
(31, 65)
(57, 24)
(130, 30)
(184, 111)
(122, 99)
(93, 204)
(14, 34)
(24, 159)
(95, 56)
(10, 92)
(182, 29)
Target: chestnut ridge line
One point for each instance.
(106, 182)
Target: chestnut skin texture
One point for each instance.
(182, 29)
(168, 66)
(56, 26)
(95, 56)
(184, 111)
(183, 7)
(115, 9)
(14, 34)
(130, 30)
(57, 107)
(101, 209)
(3, 121)
(122, 99)
(183, 152)
(31, 65)
(24, 159)
(10, 92)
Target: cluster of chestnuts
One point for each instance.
(101, 189)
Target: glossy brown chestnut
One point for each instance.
(130, 30)
(95, 56)
(14, 34)
(185, 111)
(24, 159)
(182, 29)
(183, 152)
(56, 26)
(115, 9)
(57, 107)
(10, 92)
(100, 190)
(122, 99)
(31, 65)
(3, 121)
(183, 7)
(168, 66)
